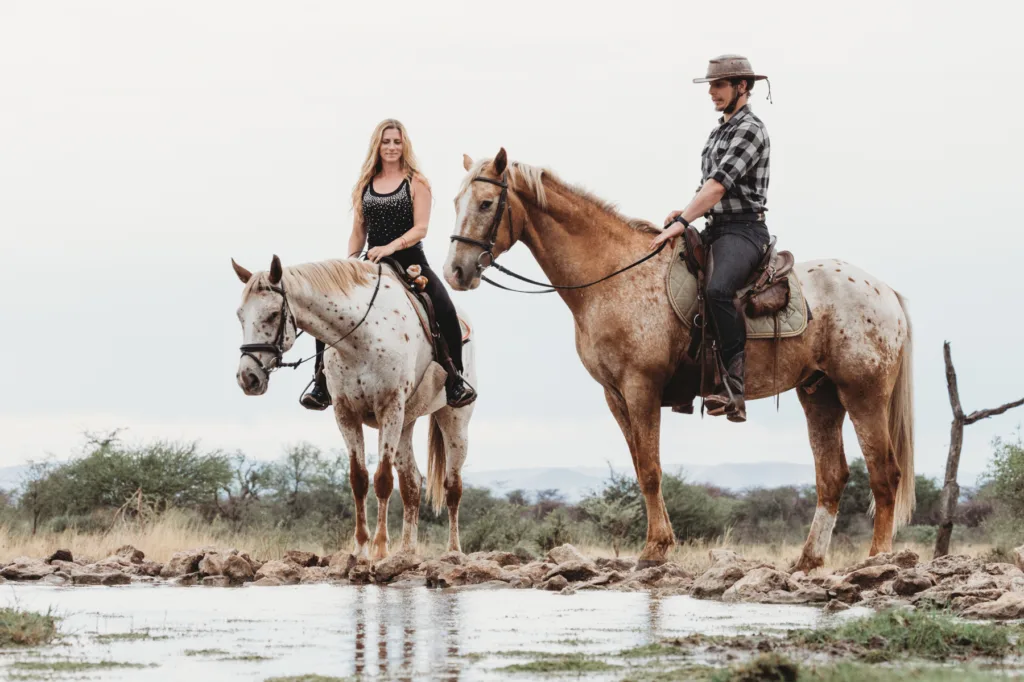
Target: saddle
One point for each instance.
(766, 293)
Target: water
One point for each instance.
(402, 633)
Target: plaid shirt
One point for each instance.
(736, 155)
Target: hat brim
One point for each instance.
(728, 76)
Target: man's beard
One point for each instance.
(730, 108)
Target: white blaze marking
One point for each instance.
(821, 532)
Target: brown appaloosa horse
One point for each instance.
(631, 341)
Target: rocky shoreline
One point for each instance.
(964, 585)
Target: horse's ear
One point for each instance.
(242, 273)
(500, 161)
(467, 162)
(275, 270)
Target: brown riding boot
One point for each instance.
(720, 402)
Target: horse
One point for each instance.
(857, 348)
(381, 356)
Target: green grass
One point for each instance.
(652, 651)
(921, 634)
(775, 668)
(26, 628)
(66, 666)
(246, 657)
(128, 636)
(206, 652)
(573, 663)
(306, 678)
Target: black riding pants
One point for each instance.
(444, 309)
(736, 250)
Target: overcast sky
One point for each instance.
(143, 144)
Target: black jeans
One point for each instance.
(736, 250)
(444, 309)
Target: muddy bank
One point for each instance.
(961, 584)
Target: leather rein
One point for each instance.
(276, 348)
(487, 248)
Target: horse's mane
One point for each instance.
(530, 179)
(328, 276)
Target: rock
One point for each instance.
(535, 571)
(872, 576)
(286, 572)
(566, 554)
(504, 559)
(187, 580)
(315, 574)
(212, 563)
(24, 568)
(521, 583)
(574, 571)
(620, 565)
(811, 594)
(478, 572)
(216, 581)
(904, 559)
(489, 585)
(909, 583)
(937, 597)
(237, 569)
(844, 592)
(111, 578)
(58, 578)
(1010, 605)
(835, 606)
(149, 568)
(756, 584)
(1018, 557)
(952, 564)
(524, 555)
(717, 579)
(436, 573)
(1007, 570)
(128, 552)
(304, 559)
(183, 563)
(60, 555)
(267, 582)
(388, 569)
(360, 574)
(556, 584)
(454, 558)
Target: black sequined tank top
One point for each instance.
(387, 217)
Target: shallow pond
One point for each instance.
(406, 632)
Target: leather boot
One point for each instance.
(458, 391)
(719, 402)
(317, 398)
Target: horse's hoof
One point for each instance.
(649, 563)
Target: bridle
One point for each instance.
(487, 248)
(276, 348)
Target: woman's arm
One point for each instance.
(357, 239)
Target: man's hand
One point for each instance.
(668, 235)
(378, 252)
(672, 216)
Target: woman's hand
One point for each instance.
(378, 252)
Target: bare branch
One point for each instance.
(954, 392)
(985, 414)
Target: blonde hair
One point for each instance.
(373, 165)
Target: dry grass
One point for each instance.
(174, 532)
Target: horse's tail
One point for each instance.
(901, 427)
(435, 466)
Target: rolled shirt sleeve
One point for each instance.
(742, 154)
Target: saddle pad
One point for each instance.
(421, 312)
(682, 294)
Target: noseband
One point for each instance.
(276, 348)
(492, 238)
(492, 233)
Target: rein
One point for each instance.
(276, 348)
(492, 238)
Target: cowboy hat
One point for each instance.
(729, 66)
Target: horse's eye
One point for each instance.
(272, 318)
(484, 205)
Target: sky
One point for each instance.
(144, 144)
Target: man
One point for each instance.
(732, 198)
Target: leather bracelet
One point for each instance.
(680, 219)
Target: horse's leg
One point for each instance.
(409, 481)
(638, 413)
(453, 425)
(352, 431)
(869, 414)
(825, 415)
(384, 478)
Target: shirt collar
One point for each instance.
(740, 113)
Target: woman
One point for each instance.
(391, 201)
